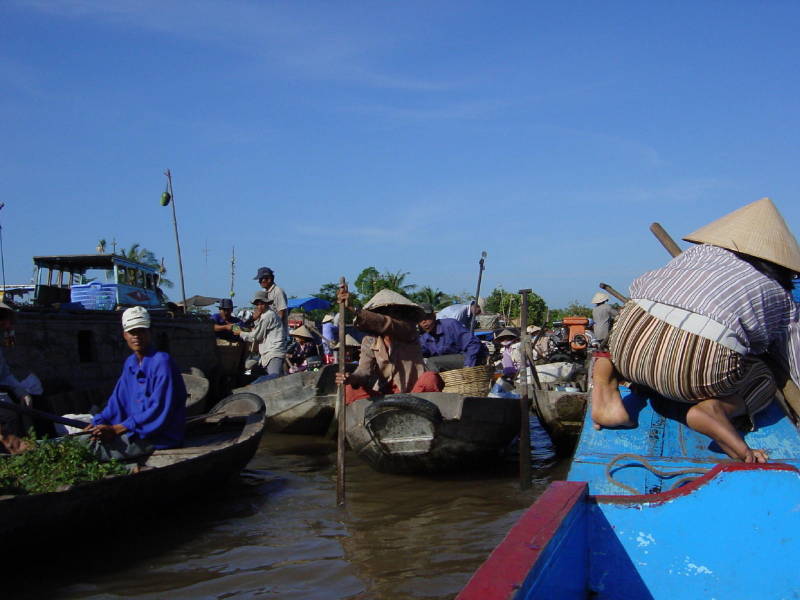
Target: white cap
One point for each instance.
(134, 318)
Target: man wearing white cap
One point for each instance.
(147, 409)
(695, 329)
(268, 334)
(602, 313)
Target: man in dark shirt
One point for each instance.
(224, 321)
(447, 344)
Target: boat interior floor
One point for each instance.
(663, 442)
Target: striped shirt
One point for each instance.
(714, 282)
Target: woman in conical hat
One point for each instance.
(694, 329)
(301, 349)
(391, 358)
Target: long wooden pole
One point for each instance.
(618, 295)
(168, 173)
(478, 291)
(524, 401)
(665, 239)
(341, 406)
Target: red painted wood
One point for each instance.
(499, 577)
(692, 486)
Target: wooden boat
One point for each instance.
(630, 524)
(218, 445)
(302, 403)
(561, 414)
(430, 432)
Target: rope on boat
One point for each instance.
(697, 471)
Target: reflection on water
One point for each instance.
(277, 533)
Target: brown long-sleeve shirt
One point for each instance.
(390, 353)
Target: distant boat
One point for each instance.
(218, 445)
(301, 403)
(431, 432)
(629, 524)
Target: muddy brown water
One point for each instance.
(277, 533)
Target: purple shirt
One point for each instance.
(149, 400)
(451, 337)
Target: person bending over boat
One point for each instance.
(147, 409)
(694, 329)
(268, 334)
(447, 344)
(391, 358)
(462, 313)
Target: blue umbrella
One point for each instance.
(310, 303)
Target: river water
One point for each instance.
(276, 532)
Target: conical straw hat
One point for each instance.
(389, 298)
(302, 331)
(599, 297)
(757, 229)
(349, 342)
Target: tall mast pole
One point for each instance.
(177, 239)
(233, 269)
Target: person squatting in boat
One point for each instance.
(694, 330)
(147, 409)
(391, 358)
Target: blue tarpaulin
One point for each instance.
(796, 292)
(310, 303)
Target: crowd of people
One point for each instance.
(712, 331)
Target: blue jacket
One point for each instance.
(451, 337)
(149, 400)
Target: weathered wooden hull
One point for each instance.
(431, 432)
(78, 356)
(208, 459)
(561, 415)
(300, 403)
(734, 533)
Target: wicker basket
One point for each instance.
(469, 381)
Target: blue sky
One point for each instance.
(319, 138)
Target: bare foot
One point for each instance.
(756, 456)
(712, 418)
(607, 407)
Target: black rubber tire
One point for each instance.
(407, 402)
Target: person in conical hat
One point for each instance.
(391, 358)
(694, 329)
(303, 347)
(602, 314)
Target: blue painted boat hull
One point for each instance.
(733, 533)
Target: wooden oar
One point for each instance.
(40, 414)
(524, 401)
(619, 296)
(341, 406)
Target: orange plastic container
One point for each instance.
(576, 326)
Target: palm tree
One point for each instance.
(429, 295)
(395, 282)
